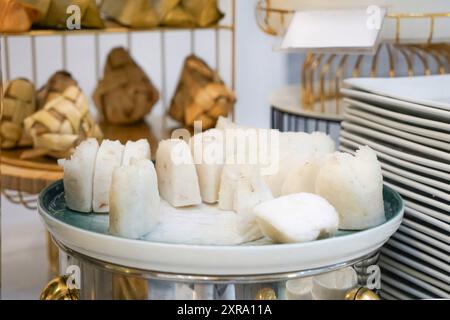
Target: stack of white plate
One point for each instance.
(407, 122)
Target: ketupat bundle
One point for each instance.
(205, 12)
(53, 13)
(54, 87)
(16, 16)
(125, 94)
(131, 13)
(61, 125)
(170, 13)
(201, 95)
(19, 102)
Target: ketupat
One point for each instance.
(61, 125)
(200, 95)
(125, 94)
(19, 102)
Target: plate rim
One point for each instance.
(257, 252)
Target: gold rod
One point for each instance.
(7, 62)
(53, 32)
(129, 41)
(430, 37)
(33, 60)
(163, 81)
(217, 45)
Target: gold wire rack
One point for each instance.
(322, 73)
(20, 188)
(274, 21)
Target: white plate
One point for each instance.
(434, 193)
(418, 197)
(426, 230)
(441, 225)
(400, 172)
(399, 116)
(405, 287)
(419, 279)
(207, 259)
(392, 291)
(431, 91)
(434, 143)
(398, 152)
(441, 255)
(398, 105)
(426, 256)
(403, 143)
(395, 124)
(442, 216)
(423, 237)
(401, 163)
(413, 263)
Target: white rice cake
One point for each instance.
(177, 176)
(300, 217)
(137, 150)
(79, 175)
(134, 200)
(109, 156)
(208, 153)
(354, 186)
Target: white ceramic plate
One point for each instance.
(398, 238)
(442, 216)
(403, 143)
(432, 192)
(429, 256)
(398, 152)
(423, 237)
(398, 105)
(94, 241)
(419, 279)
(395, 124)
(431, 91)
(399, 116)
(418, 197)
(400, 172)
(417, 265)
(436, 223)
(399, 163)
(439, 235)
(433, 143)
(405, 287)
(392, 292)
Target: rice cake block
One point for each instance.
(354, 186)
(134, 200)
(302, 178)
(294, 149)
(137, 150)
(79, 175)
(109, 157)
(208, 153)
(299, 217)
(241, 188)
(177, 176)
